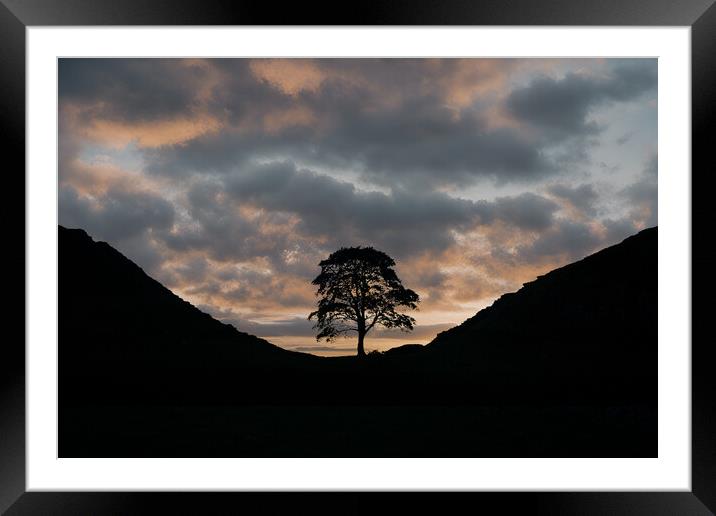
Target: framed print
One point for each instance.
(405, 255)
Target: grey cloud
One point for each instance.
(116, 215)
(642, 195)
(241, 95)
(526, 211)
(560, 108)
(294, 327)
(415, 145)
(130, 89)
(146, 252)
(644, 190)
(415, 141)
(571, 239)
(581, 197)
(652, 166)
(312, 214)
(575, 240)
(618, 230)
(432, 279)
(400, 222)
(219, 229)
(250, 286)
(211, 154)
(624, 138)
(409, 144)
(194, 270)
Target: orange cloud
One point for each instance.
(291, 76)
(275, 121)
(150, 134)
(95, 179)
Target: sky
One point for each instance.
(229, 180)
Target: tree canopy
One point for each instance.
(358, 290)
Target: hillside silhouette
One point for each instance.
(566, 366)
(591, 324)
(112, 311)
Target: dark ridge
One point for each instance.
(105, 298)
(125, 335)
(574, 293)
(592, 322)
(566, 366)
(405, 349)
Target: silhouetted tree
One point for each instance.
(358, 290)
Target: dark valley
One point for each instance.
(566, 366)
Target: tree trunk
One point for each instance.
(361, 338)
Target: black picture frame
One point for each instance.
(17, 15)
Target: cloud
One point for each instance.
(329, 115)
(295, 326)
(651, 168)
(573, 240)
(618, 230)
(526, 211)
(642, 195)
(581, 197)
(274, 222)
(395, 121)
(401, 222)
(408, 144)
(624, 138)
(403, 147)
(116, 215)
(193, 270)
(131, 89)
(560, 107)
(567, 241)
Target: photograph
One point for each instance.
(357, 257)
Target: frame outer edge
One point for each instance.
(703, 113)
(347, 503)
(393, 12)
(12, 358)
(41, 12)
